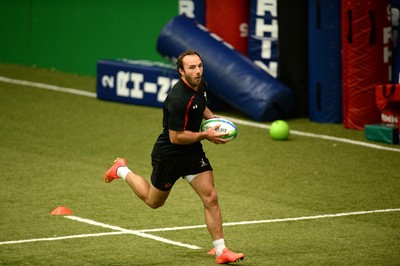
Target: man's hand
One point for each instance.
(214, 136)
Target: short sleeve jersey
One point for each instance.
(183, 110)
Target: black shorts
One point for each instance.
(168, 169)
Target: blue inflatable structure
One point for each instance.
(231, 76)
(138, 82)
(324, 61)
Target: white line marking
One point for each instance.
(235, 120)
(48, 87)
(175, 228)
(312, 135)
(133, 232)
(58, 238)
(311, 217)
(275, 220)
(141, 232)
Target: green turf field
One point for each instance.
(276, 196)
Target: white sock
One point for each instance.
(122, 171)
(219, 245)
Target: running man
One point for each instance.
(178, 152)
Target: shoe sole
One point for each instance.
(106, 175)
(239, 259)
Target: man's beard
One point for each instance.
(194, 81)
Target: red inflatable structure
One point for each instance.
(366, 58)
(229, 20)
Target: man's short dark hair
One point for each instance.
(179, 63)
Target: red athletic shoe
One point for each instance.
(229, 256)
(111, 173)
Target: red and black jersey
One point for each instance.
(183, 110)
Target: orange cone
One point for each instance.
(61, 211)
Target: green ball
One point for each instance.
(279, 130)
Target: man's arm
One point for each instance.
(208, 114)
(189, 137)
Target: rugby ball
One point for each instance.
(226, 127)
